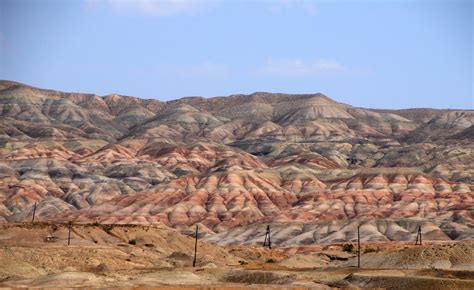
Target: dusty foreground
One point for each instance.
(156, 256)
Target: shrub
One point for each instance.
(107, 228)
(132, 242)
(271, 260)
(101, 268)
(348, 248)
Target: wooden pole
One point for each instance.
(34, 212)
(358, 246)
(418, 236)
(267, 235)
(69, 234)
(195, 246)
(269, 241)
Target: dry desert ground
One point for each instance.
(37, 255)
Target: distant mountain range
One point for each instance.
(312, 167)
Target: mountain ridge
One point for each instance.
(8, 83)
(232, 163)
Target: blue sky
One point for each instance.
(379, 54)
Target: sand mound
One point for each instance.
(65, 279)
(257, 277)
(403, 282)
(458, 256)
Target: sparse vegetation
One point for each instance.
(101, 268)
(348, 248)
(370, 250)
(107, 228)
(257, 277)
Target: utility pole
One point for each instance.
(358, 246)
(195, 246)
(69, 234)
(34, 212)
(418, 237)
(267, 235)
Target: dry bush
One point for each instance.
(108, 228)
(348, 248)
(370, 250)
(179, 256)
(101, 268)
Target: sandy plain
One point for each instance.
(135, 256)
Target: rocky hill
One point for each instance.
(311, 166)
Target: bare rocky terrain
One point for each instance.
(135, 176)
(311, 167)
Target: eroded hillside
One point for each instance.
(233, 163)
